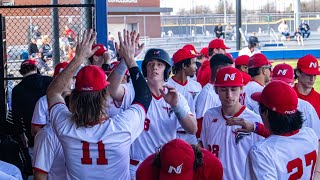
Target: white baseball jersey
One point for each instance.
(284, 157)
(40, 113)
(48, 154)
(247, 51)
(160, 127)
(9, 172)
(190, 90)
(207, 98)
(114, 107)
(230, 147)
(310, 116)
(248, 90)
(100, 151)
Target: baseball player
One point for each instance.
(283, 72)
(168, 108)
(273, 158)
(306, 72)
(207, 97)
(180, 160)
(184, 67)
(260, 71)
(96, 146)
(40, 114)
(241, 63)
(229, 146)
(252, 49)
(216, 46)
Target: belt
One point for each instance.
(134, 162)
(181, 132)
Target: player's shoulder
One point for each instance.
(195, 85)
(304, 105)
(45, 132)
(214, 111)
(310, 132)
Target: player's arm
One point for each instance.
(37, 175)
(83, 52)
(178, 105)
(39, 118)
(248, 126)
(127, 51)
(116, 91)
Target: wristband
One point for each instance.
(179, 111)
(121, 68)
(255, 127)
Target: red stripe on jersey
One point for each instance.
(236, 115)
(141, 106)
(134, 162)
(40, 170)
(290, 133)
(262, 131)
(39, 125)
(199, 122)
(182, 84)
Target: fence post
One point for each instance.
(101, 22)
(55, 23)
(3, 109)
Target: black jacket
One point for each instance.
(33, 48)
(24, 98)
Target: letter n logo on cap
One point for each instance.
(229, 76)
(313, 65)
(177, 170)
(283, 72)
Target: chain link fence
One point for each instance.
(30, 34)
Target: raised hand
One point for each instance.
(84, 47)
(171, 97)
(127, 47)
(246, 126)
(139, 47)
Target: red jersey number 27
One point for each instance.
(86, 159)
(310, 159)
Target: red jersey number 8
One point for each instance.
(146, 124)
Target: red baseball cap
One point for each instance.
(181, 55)
(242, 60)
(59, 67)
(308, 64)
(177, 159)
(29, 62)
(246, 78)
(283, 72)
(228, 76)
(205, 52)
(101, 50)
(191, 48)
(91, 78)
(258, 60)
(230, 56)
(217, 43)
(278, 96)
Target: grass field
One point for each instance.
(293, 63)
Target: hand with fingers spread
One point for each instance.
(84, 47)
(127, 47)
(246, 126)
(139, 47)
(171, 97)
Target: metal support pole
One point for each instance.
(3, 102)
(297, 12)
(55, 29)
(101, 22)
(225, 11)
(87, 15)
(238, 23)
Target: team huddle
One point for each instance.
(207, 116)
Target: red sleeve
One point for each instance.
(147, 170)
(262, 131)
(199, 122)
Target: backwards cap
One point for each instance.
(101, 50)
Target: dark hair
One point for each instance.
(91, 59)
(197, 154)
(295, 73)
(88, 108)
(217, 61)
(26, 68)
(238, 67)
(254, 71)
(178, 67)
(282, 123)
(210, 51)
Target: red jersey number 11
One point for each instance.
(102, 160)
